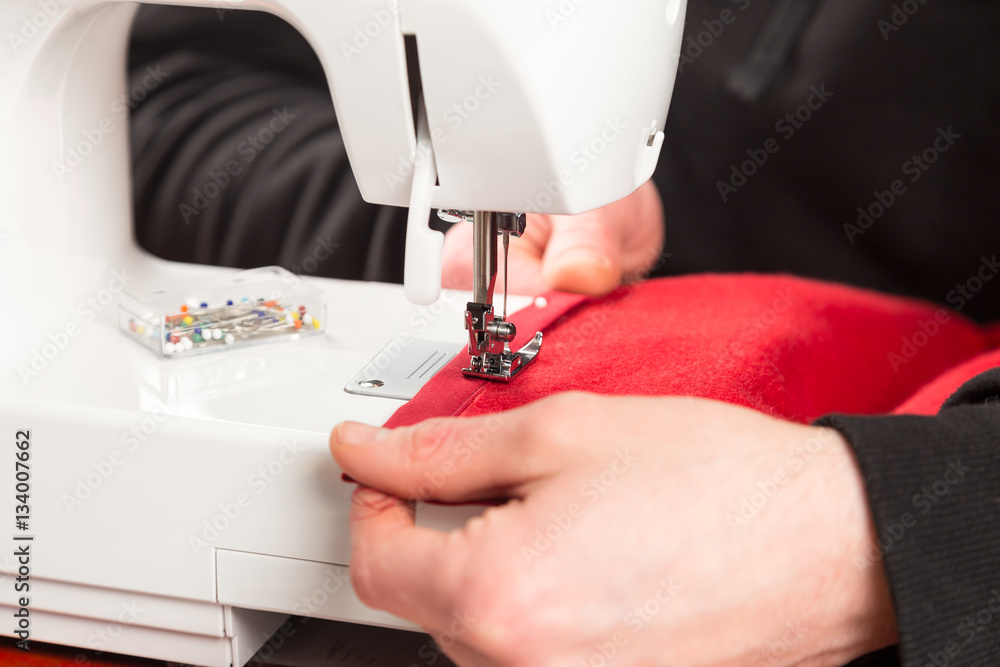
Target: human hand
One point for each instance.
(591, 253)
(622, 541)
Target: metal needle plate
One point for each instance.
(400, 371)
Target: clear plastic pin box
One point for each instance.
(251, 307)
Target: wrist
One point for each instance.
(861, 616)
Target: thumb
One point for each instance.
(583, 254)
(592, 253)
(451, 460)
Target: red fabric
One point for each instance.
(48, 655)
(786, 346)
(928, 400)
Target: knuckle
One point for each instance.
(554, 419)
(504, 627)
(425, 440)
(368, 503)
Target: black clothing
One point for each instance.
(288, 201)
(886, 94)
(933, 487)
(886, 100)
(852, 141)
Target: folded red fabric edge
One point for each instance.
(451, 396)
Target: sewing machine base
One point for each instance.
(183, 508)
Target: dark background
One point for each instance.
(892, 90)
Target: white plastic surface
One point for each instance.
(133, 459)
(143, 468)
(424, 246)
(249, 630)
(308, 588)
(543, 107)
(111, 605)
(523, 98)
(188, 649)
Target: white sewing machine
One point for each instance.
(180, 509)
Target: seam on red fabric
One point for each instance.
(468, 401)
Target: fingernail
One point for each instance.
(353, 433)
(582, 271)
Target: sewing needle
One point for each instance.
(506, 243)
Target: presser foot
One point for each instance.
(504, 366)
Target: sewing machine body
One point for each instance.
(181, 509)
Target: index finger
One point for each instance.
(453, 460)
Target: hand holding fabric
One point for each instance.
(626, 535)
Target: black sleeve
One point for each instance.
(237, 156)
(934, 488)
